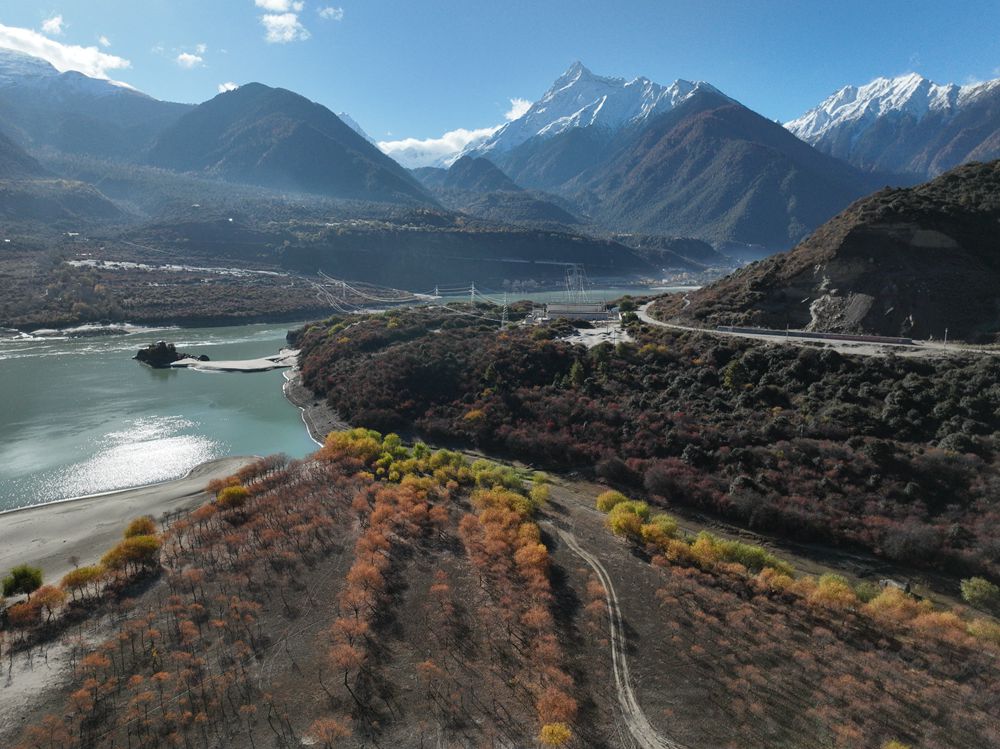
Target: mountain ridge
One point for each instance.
(906, 125)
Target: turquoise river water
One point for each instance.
(78, 416)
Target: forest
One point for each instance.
(897, 456)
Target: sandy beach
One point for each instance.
(47, 536)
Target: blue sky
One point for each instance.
(418, 69)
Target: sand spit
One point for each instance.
(50, 536)
(284, 359)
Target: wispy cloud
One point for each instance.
(87, 60)
(518, 107)
(201, 49)
(227, 86)
(104, 41)
(415, 152)
(187, 60)
(280, 6)
(53, 26)
(330, 13)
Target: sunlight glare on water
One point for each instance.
(78, 416)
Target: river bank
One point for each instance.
(60, 535)
(317, 415)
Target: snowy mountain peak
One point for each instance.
(580, 98)
(19, 67)
(858, 107)
(352, 123)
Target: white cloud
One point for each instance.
(87, 60)
(414, 152)
(227, 86)
(280, 6)
(103, 41)
(517, 109)
(187, 60)
(330, 13)
(53, 26)
(201, 49)
(284, 27)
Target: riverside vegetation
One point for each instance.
(379, 594)
(894, 455)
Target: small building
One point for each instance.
(580, 311)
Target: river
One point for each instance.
(78, 416)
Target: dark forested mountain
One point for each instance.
(906, 125)
(276, 138)
(15, 163)
(693, 163)
(474, 185)
(72, 113)
(910, 261)
(477, 175)
(28, 193)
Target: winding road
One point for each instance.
(636, 721)
(916, 349)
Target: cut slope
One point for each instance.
(913, 262)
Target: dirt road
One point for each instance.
(638, 725)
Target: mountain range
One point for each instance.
(683, 159)
(612, 154)
(907, 125)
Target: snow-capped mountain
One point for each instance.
(74, 113)
(906, 124)
(353, 124)
(579, 99)
(18, 69)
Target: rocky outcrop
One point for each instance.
(161, 355)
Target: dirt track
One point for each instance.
(638, 725)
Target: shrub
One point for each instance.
(985, 630)
(607, 500)
(555, 734)
(626, 519)
(892, 606)
(22, 579)
(833, 591)
(981, 593)
(232, 497)
(144, 526)
(659, 530)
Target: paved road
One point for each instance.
(918, 349)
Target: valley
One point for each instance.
(373, 384)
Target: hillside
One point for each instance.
(477, 175)
(15, 163)
(906, 125)
(379, 594)
(29, 194)
(910, 262)
(275, 138)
